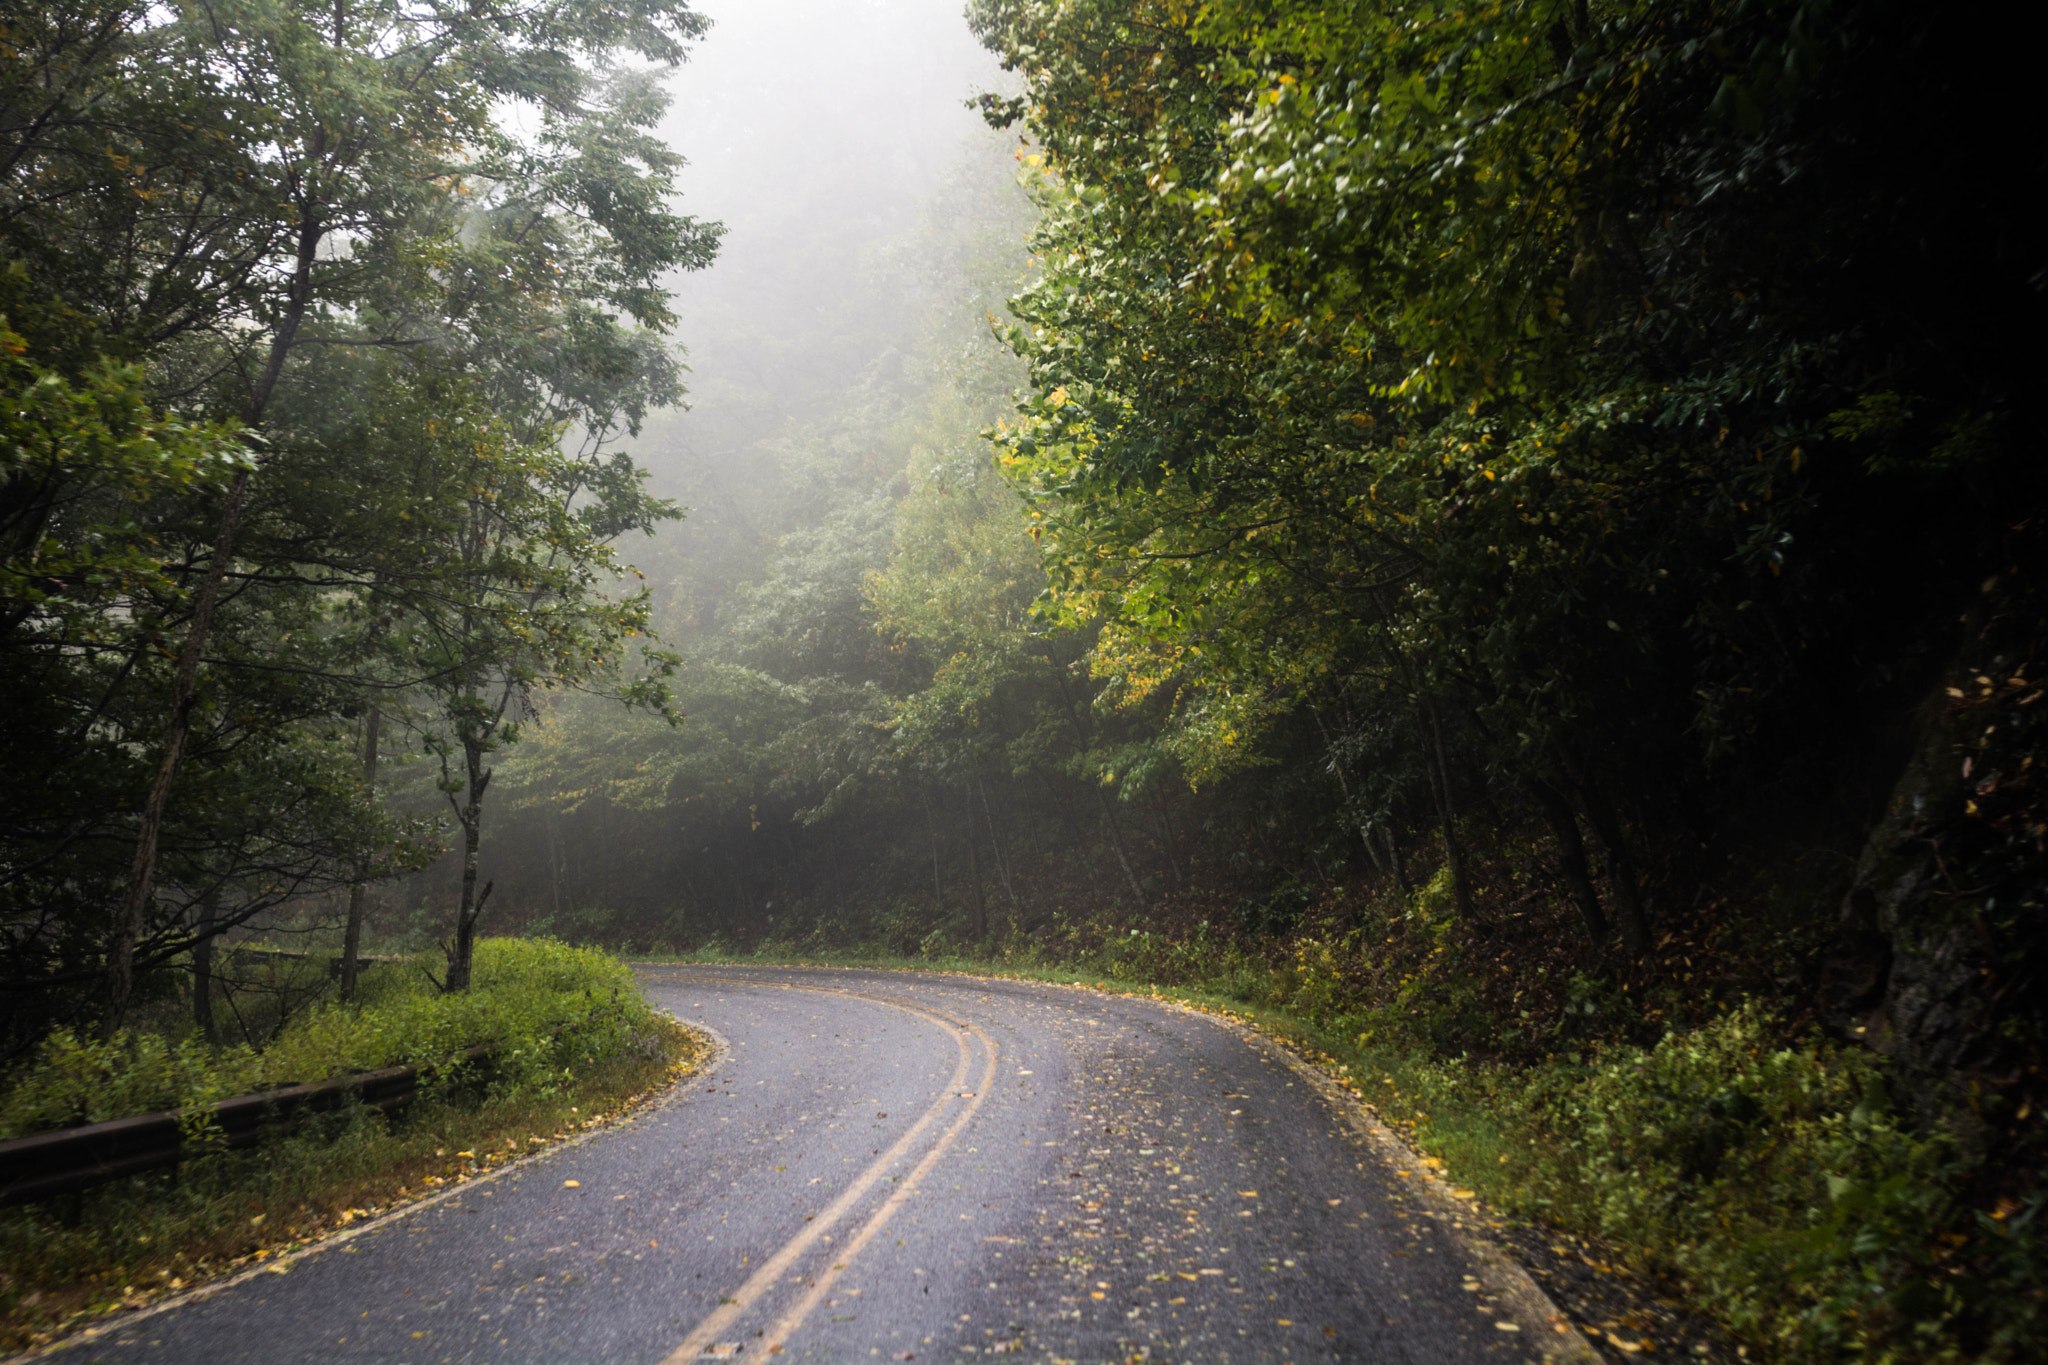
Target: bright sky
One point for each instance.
(845, 108)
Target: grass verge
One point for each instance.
(581, 1060)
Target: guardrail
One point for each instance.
(67, 1160)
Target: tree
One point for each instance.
(371, 128)
(518, 554)
(1454, 360)
(290, 184)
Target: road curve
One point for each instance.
(901, 1166)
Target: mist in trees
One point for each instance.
(1219, 471)
(1510, 533)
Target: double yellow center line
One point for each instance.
(955, 1101)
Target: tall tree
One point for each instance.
(516, 540)
(235, 191)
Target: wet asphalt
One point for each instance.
(900, 1166)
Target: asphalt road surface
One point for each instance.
(899, 1166)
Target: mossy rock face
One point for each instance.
(1939, 959)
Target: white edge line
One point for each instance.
(1533, 1310)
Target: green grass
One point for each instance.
(542, 1006)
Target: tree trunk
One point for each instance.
(1379, 864)
(554, 865)
(1116, 841)
(184, 694)
(1166, 838)
(142, 868)
(1628, 902)
(1440, 786)
(1395, 860)
(462, 951)
(932, 825)
(1364, 827)
(995, 843)
(1571, 852)
(202, 966)
(1116, 837)
(352, 936)
(974, 866)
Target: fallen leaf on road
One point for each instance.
(572, 1184)
(1249, 1194)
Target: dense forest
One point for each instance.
(1519, 524)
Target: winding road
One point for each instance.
(905, 1166)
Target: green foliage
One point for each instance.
(1432, 906)
(72, 1080)
(1490, 381)
(81, 461)
(313, 233)
(1778, 1182)
(546, 1009)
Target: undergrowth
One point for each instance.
(577, 1043)
(542, 1006)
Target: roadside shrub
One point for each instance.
(74, 1080)
(544, 1007)
(1433, 906)
(1777, 1182)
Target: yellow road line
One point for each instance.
(722, 1319)
(822, 1286)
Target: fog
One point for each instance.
(817, 133)
(873, 224)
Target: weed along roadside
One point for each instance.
(574, 1048)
